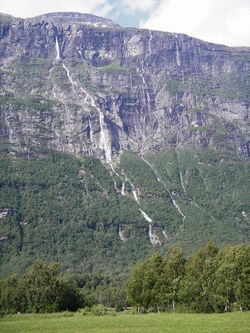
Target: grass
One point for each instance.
(150, 323)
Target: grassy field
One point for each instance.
(150, 323)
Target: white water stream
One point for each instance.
(135, 194)
(145, 215)
(180, 174)
(105, 140)
(122, 238)
(69, 77)
(123, 189)
(178, 57)
(164, 234)
(154, 239)
(58, 53)
(164, 184)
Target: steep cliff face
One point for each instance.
(82, 84)
(167, 115)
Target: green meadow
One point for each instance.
(122, 323)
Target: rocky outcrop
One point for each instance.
(82, 84)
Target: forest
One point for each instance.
(212, 279)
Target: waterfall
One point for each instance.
(69, 77)
(58, 53)
(122, 238)
(123, 189)
(164, 234)
(154, 239)
(180, 174)
(115, 185)
(179, 210)
(178, 56)
(152, 169)
(171, 196)
(244, 214)
(182, 183)
(105, 140)
(135, 194)
(145, 215)
(163, 183)
(149, 44)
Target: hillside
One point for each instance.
(118, 142)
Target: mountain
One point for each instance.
(117, 142)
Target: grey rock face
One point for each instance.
(82, 84)
(75, 18)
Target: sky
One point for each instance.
(219, 21)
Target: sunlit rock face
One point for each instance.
(82, 84)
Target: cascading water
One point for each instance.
(178, 56)
(69, 77)
(180, 173)
(154, 239)
(178, 208)
(105, 140)
(164, 234)
(122, 238)
(135, 194)
(123, 189)
(58, 53)
(145, 215)
(170, 195)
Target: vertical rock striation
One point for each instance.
(82, 84)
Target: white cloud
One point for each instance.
(29, 8)
(219, 21)
(103, 10)
(142, 5)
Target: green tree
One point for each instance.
(144, 289)
(69, 295)
(198, 290)
(112, 296)
(135, 287)
(233, 277)
(42, 287)
(151, 292)
(171, 277)
(12, 295)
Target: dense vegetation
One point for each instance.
(56, 207)
(43, 289)
(211, 280)
(60, 208)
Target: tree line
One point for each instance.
(213, 279)
(42, 288)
